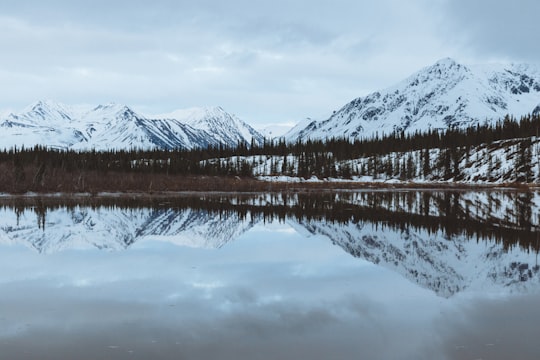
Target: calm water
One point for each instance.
(357, 275)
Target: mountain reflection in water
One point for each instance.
(433, 275)
(445, 241)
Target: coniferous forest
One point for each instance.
(505, 152)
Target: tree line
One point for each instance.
(322, 158)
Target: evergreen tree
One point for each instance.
(426, 168)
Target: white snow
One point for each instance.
(442, 95)
(116, 126)
(225, 127)
(482, 165)
(272, 131)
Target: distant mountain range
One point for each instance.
(116, 126)
(446, 94)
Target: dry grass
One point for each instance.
(59, 181)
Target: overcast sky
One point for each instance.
(266, 61)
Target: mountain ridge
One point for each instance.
(444, 95)
(116, 126)
(225, 127)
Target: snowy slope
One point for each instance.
(116, 126)
(223, 127)
(446, 94)
(44, 122)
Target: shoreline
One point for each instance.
(225, 186)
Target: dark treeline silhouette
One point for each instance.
(449, 212)
(23, 169)
(342, 148)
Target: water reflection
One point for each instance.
(433, 275)
(511, 218)
(446, 241)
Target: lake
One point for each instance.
(370, 274)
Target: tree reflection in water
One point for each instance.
(508, 217)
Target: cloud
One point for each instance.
(496, 29)
(268, 62)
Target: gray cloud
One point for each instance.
(266, 61)
(496, 29)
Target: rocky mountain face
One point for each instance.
(115, 126)
(223, 127)
(446, 94)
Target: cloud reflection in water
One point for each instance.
(284, 288)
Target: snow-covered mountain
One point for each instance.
(446, 94)
(43, 123)
(116, 126)
(225, 128)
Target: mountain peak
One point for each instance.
(446, 69)
(194, 114)
(445, 94)
(112, 111)
(111, 105)
(446, 62)
(45, 111)
(45, 105)
(224, 127)
(218, 109)
(115, 126)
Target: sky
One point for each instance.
(267, 62)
